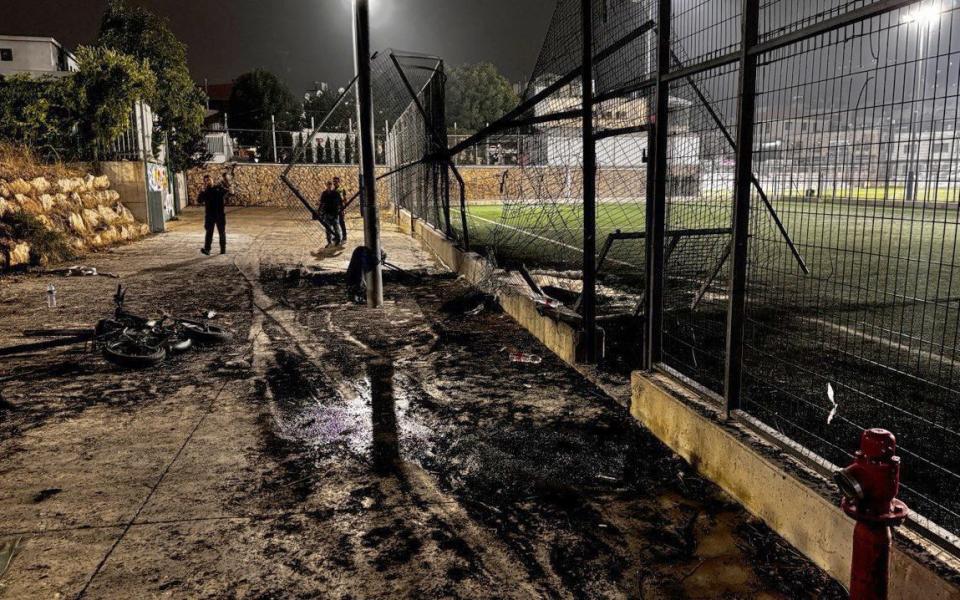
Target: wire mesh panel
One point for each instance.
(781, 17)
(850, 316)
(705, 29)
(855, 140)
(409, 94)
(700, 161)
(528, 208)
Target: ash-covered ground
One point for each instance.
(247, 470)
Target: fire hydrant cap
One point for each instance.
(878, 443)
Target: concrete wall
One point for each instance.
(129, 179)
(260, 184)
(493, 184)
(515, 298)
(730, 457)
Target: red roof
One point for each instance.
(219, 91)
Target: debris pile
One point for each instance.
(59, 213)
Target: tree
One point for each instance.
(476, 95)
(337, 157)
(76, 116)
(328, 152)
(107, 85)
(348, 150)
(257, 96)
(320, 105)
(39, 113)
(177, 102)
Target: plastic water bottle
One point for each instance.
(51, 296)
(523, 357)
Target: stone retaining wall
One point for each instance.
(260, 185)
(493, 184)
(83, 210)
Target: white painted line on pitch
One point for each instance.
(540, 237)
(933, 356)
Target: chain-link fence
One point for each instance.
(776, 209)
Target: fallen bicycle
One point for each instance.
(129, 340)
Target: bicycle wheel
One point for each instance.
(177, 341)
(204, 333)
(133, 353)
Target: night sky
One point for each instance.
(305, 41)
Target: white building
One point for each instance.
(220, 146)
(34, 56)
(561, 143)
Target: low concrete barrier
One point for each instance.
(559, 337)
(731, 458)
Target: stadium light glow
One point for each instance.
(927, 14)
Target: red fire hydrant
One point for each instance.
(870, 487)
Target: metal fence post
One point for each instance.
(371, 212)
(273, 133)
(657, 199)
(589, 189)
(746, 106)
(439, 90)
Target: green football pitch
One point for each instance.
(892, 270)
(903, 251)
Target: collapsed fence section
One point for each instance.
(423, 177)
(407, 92)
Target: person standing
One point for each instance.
(213, 198)
(342, 219)
(329, 212)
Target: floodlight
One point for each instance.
(926, 14)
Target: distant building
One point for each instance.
(34, 56)
(220, 145)
(219, 94)
(218, 103)
(560, 143)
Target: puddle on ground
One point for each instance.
(324, 420)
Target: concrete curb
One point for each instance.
(811, 523)
(560, 338)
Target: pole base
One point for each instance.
(581, 348)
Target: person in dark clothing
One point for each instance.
(343, 206)
(213, 198)
(329, 212)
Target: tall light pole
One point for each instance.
(589, 294)
(373, 275)
(925, 16)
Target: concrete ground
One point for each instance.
(248, 470)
